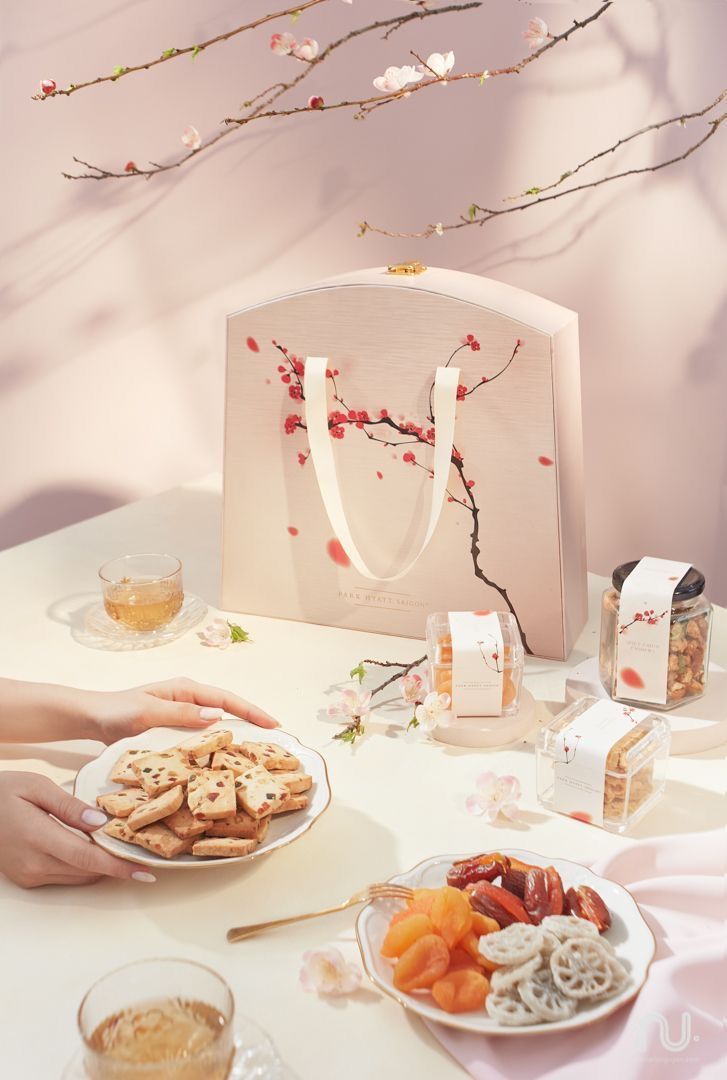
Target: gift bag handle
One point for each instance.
(316, 418)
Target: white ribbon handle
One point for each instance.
(319, 439)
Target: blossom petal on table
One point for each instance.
(217, 635)
(326, 971)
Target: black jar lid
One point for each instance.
(691, 585)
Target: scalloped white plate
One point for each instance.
(630, 936)
(94, 779)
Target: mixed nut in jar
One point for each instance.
(655, 630)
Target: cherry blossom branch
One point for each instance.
(481, 215)
(174, 54)
(404, 669)
(263, 110)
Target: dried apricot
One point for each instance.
(404, 932)
(470, 945)
(460, 960)
(422, 964)
(451, 914)
(483, 924)
(461, 991)
(422, 900)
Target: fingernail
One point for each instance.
(141, 875)
(95, 818)
(211, 714)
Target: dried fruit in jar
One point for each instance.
(422, 964)
(687, 652)
(461, 991)
(404, 932)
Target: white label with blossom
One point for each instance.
(580, 754)
(478, 659)
(642, 639)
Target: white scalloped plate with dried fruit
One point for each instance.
(629, 935)
(95, 779)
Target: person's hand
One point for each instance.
(36, 850)
(175, 703)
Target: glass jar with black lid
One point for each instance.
(689, 632)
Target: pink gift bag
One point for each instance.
(400, 443)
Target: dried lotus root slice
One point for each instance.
(509, 1009)
(543, 997)
(619, 978)
(513, 945)
(505, 979)
(581, 968)
(550, 943)
(567, 926)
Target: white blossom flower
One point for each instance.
(440, 64)
(495, 795)
(353, 703)
(307, 49)
(412, 688)
(439, 229)
(191, 138)
(283, 44)
(326, 971)
(217, 635)
(434, 710)
(397, 78)
(537, 33)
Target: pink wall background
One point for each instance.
(114, 294)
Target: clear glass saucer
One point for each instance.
(98, 631)
(255, 1057)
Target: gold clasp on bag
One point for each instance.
(413, 267)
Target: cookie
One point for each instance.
(120, 803)
(211, 793)
(295, 802)
(156, 809)
(184, 824)
(122, 772)
(205, 743)
(161, 840)
(259, 792)
(270, 755)
(231, 759)
(223, 847)
(296, 782)
(241, 826)
(162, 770)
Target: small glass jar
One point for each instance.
(689, 635)
(634, 771)
(439, 651)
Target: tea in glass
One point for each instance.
(144, 592)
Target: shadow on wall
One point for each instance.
(60, 505)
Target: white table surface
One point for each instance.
(396, 800)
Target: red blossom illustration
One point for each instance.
(492, 659)
(648, 616)
(568, 753)
(401, 432)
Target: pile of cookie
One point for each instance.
(544, 973)
(208, 796)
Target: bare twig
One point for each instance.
(404, 669)
(481, 215)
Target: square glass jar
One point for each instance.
(439, 653)
(634, 770)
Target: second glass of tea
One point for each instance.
(143, 592)
(158, 1020)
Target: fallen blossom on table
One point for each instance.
(397, 78)
(537, 33)
(495, 795)
(433, 711)
(326, 971)
(191, 138)
(220, 633)
(440, 64)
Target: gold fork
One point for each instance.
(383, 891)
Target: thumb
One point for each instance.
(68, 809)
(161, 713)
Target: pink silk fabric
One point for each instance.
(679, 884)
